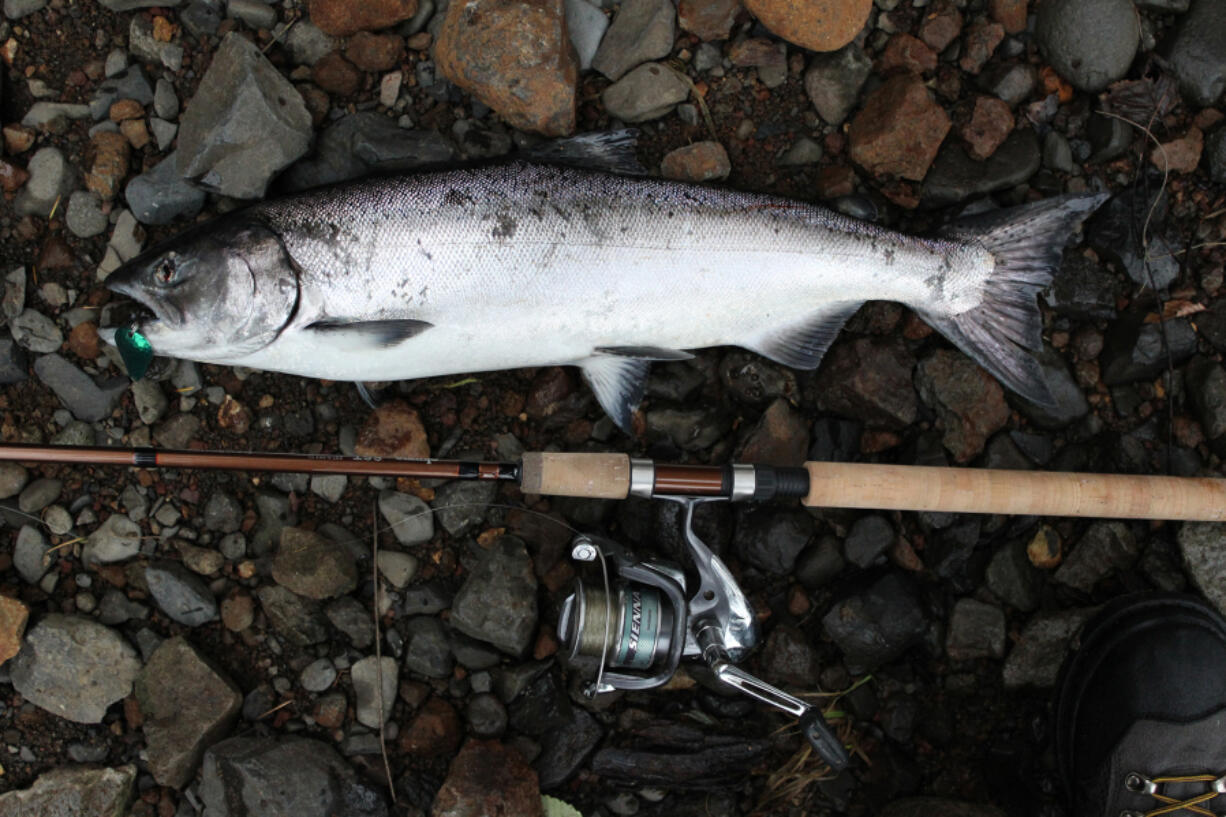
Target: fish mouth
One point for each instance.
(145, 310)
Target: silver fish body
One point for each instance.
(525, 264)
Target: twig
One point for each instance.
(374, 575)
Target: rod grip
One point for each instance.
(1031, 493)
(594, 476)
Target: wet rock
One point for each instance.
(245, 123)
(186, 705)
(427, 651)
(329, 486)
(970, 403)
(74, 667)
(819, 563)
(1036, 658)
(698, 162)
(180, 594)
(869, 379)
(789, 659)
(899, 129)
(769, 57)
(35, 331)
(307, 44)
(223, 513)
(1115, 231)
(397, 568)
(804, 152)
(749, 378)
(770, 539)
(460, 505)
(160, 195)
(12, 362)
(1203, 546)
(337, 75)
(707, 19)
(74, 792)
(981, 42)
(115, 540)
(1068, 401)
(374, 52)
(30, 555)
(434, 732)
(642, 31)
(976, 630)
(313, 565)
(1197, 53)
(50, 179)
(1180, 155)
(497, 602)
(143, 43)
(687, 429)
(986, 126)
(1083, 290)
(13, 617)
(955, 176)
(342, 18)
(249, 776)
(1206, 384)
(1088, 62)
(84, 216)
(363, 143)
(1106, 547)
(408, 516)
(780, 437)
(1012, 578)
(487, 717)
(129, 83)
(878, 625)
(16, 9)
(566, 745)
(518, 60)
(317, 676)
(374, 703)
(349, 616)
(819, 25)
(869, 541)
(488, 778)
(1134, 350)
(39, 494)
(253, 13)
(648, 92)
(1014, 83)
(393, 430)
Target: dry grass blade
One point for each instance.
(374, 576)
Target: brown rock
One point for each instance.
(393, 430)
(899, 129)
(18, 138)
(819, 25)
(331, 710)
(337, 75)
(420, 41)
(122, 109)
(699, 162)
(516, 57)
(316, 101)
(708, 19)
(942, 25)
(1009, 13)
(55, 254)
(781, 437)
(906, 53)
(869, 380)
(375, 52)
(489, 778)
(969, 403)
(12, 177)
(233, 416)
(342, 18)
(135, 131)
(1180, 155)
(83, 341)
(434, 732)
(314, 566)
(110, 164)
(549, 388)
(981, 42)
(238, 611)
(13, 617)
(986, 124)
(755, 51)
(835, 181)
(1045, 550)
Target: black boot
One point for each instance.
(1141, 712)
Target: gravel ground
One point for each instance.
(173, 641)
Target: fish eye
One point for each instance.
(165, 272)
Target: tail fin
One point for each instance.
(1027, 243)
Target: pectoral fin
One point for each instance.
(802, 345)
(618, 383)
(364, 335)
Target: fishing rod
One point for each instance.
(629, 622)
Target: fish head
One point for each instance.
(216, 292)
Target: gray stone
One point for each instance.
(363, 143)
(116, 61)
(1115, 231)
(35, 331)
(365, 677)
(165, 100)
(12, 361)
(819, 563)
(255, 14)
(461, 504)
(869, 541)
(78, 392)
(116, 608)
(1038, 654)
(294, 618)
(1090, 43)
(201, 18)
(317, 675)
(125, 243)
(789, 659)
(84, 216)
(408, 516)
(313, 565)
(1012, 578)
(770, 539)
(150, 400)
(474, 655)
(74, 667)
(688, 429)
(878, 625)
(1197, 52)
(833, 81)
(222, 513)
(245, 123)
(1057, 155)
(129, 83)
(142, 43)
(53, 115)
(329, 486)
(1012, 82)
(275, 513)
(427, 651)
(163, 133)
(50, 179)
(250, 776)
(1215, 150)
(30, 554)
(116, 539)
(497, 603)
(16, 9)
(586, 25)
(1104, 548)
(187, 705)
(976, 630)
(1083, 290)
(39, 494)
(486, 716)
(955, 176)
(307, 44)
(161, 195)
(1068, 401)
(349, 616)
(74, 792)
(642, 31)
(181, 594)
(1134, 350)
(1203, 545)
(13, 302)
(648, 92)
(397, 568)
(804, 152)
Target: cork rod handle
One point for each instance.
(1035, 493)
(595, 476)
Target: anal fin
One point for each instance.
(618, 383)
(802, 345)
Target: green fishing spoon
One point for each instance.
(135, 350)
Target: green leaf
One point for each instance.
(135, 350)
(557, 808)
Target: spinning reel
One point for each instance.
(637, 625)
